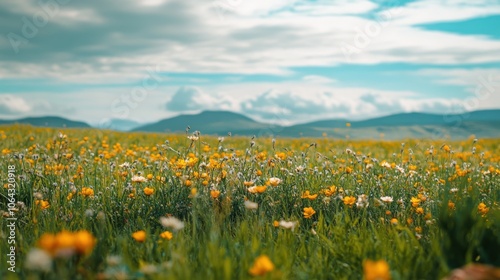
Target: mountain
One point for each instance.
(210, 122)
(483, 124)
(121, 124)
(57, 122)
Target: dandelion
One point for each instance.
(148, 191)
(308, 212)
(166, 235)
(261, 266)
(251, 205)
(172, 222)
(376, 270)
(139, 236)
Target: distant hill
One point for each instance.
(56, 122)
(209, 122)
(121, 124)
(484, 124)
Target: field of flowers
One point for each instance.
(88, 204)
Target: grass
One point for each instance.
(444, 211)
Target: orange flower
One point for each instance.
(84, 242)
(309, 212)
(309, 196)
(330, 191)
(44, 204)
(148, 191)
(166, 235)
(482, 208)
(139, 236)
(261, 266)
(87, 192)
(349, 200)
(376, 270)
(214, 193)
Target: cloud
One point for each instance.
(189, 99)
(12, 105)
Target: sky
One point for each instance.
(279, 61)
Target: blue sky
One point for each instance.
(284, 61)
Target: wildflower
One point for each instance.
(214, 193)
(287, 225)
(330, 191)
(257, 189)
(349, 200)
(44, 204)
(276, 223)
(309, 196)
(419, 210)
(251, 205)
(387, 199)
(376, 270)
(394, 221)
(415, 202)
(139, 236)
(482, 208)
(309, 212)
(193, 137)
(261, 266)
(453, 190)
(362, 201)
(166, 235)
(84, 242)
(87, 192)
(148, 191)
(124, 165)
(451, 205)
(138, 179)
(172, 222)
(274, 181)
(248, 183)
(38, 260)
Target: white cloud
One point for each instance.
(12, 105)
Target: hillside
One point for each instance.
(49, 121)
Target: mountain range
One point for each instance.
(483, 124)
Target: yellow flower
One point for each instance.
(376, 270)
(87, 192)
(349, 200)
(214, 193)
(44, 204)
(84, 242)
(451, 205)
(420, 210)
(148, 191)
(309, 212)
(330, 191)
(482, 208)
(309, 196)
(415, 202)
(261, 266)
(394, 221)
(166, 235)
(276, 223)
(139, 236)
(274, 181)
(257, 189)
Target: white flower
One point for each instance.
(38, 260)
(251, 205)
(387, 199)
(138, 179)
(193, 137)
(124, 165)
(172, 222)
(386, 164)
(362, 201)
(453, 190)
(274, 181)
(287, 225)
